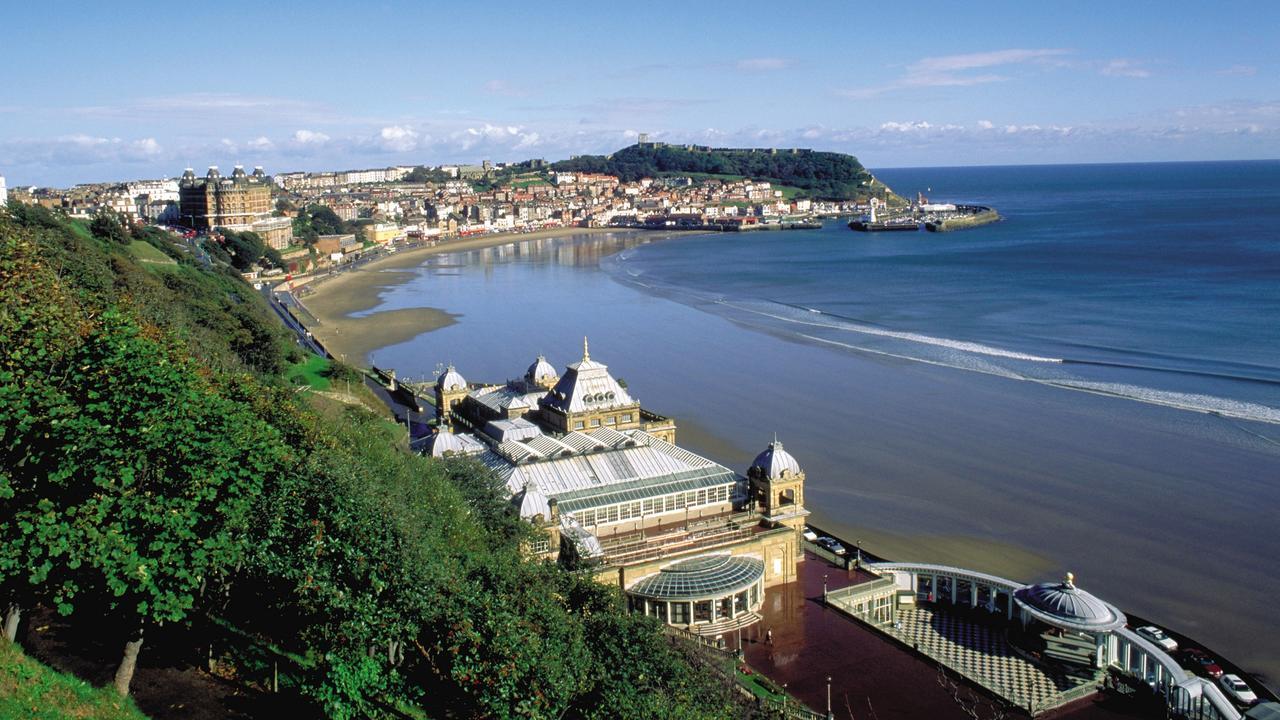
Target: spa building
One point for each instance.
(688, 540)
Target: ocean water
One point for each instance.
(1158, 283)
(1088, 386)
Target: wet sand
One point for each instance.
(337, 305)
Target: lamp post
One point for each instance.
(829, 715)
(824, 588)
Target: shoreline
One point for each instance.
(336, 306)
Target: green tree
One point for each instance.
(108, 225)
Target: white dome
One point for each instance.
(451, 379)
(1062, 604)
(541, 370)
(446, 442)
(774, 461)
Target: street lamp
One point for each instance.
(829, 715)
(824, 587)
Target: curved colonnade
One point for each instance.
(1068, 609)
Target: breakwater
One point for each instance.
(966, 216)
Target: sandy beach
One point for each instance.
(334, 302)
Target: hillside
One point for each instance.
(818, 175)
(31, 690)
(177, 522)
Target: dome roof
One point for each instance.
(541, 370)
(451, 379)
(703, 576)
(774, 461)
(1064, 605)
(446, 442)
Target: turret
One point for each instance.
(451, 388)
(777, 489)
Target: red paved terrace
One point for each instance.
(872, 676)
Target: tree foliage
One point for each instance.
(823, 175)
(155, 470)
(315, 220)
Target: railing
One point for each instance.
(676, 548)
(637, 546)
(1067, 696)
(725, 663)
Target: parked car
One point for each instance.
(832, 545)
(1157, 636)
(1237, 690)
(1200, 661)
(809, 534)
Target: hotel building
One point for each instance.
(235, 202)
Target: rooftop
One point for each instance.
(707, 576)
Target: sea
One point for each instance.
(1090, 385)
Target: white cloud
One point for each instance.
(78, 149)
(956, 70)
(763, 64)
(503, 87)
(310, 137)
(1247, 70)
(1124, 68)
(261, 143)
(985, 124)
(398, 138)
(148, 146)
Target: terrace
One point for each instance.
(872, 674)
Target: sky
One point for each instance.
(96, 92)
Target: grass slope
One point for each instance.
(29, 689)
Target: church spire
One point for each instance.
(586, 353)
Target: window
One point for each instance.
(702, 611)
(648, 506)
(740, 602)
(680, 613)
(587, 518)
(610, 514)
(702, 497)
(540, 546)
(577, 425)
(658, 609)
(611, 420)
(626, 417)
(595, 422)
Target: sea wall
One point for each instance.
(963, 222)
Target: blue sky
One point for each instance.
(107, 91)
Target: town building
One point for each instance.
(276, 232)
(234, 202)
(382, 233)
(688, 540)
(4, 194)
